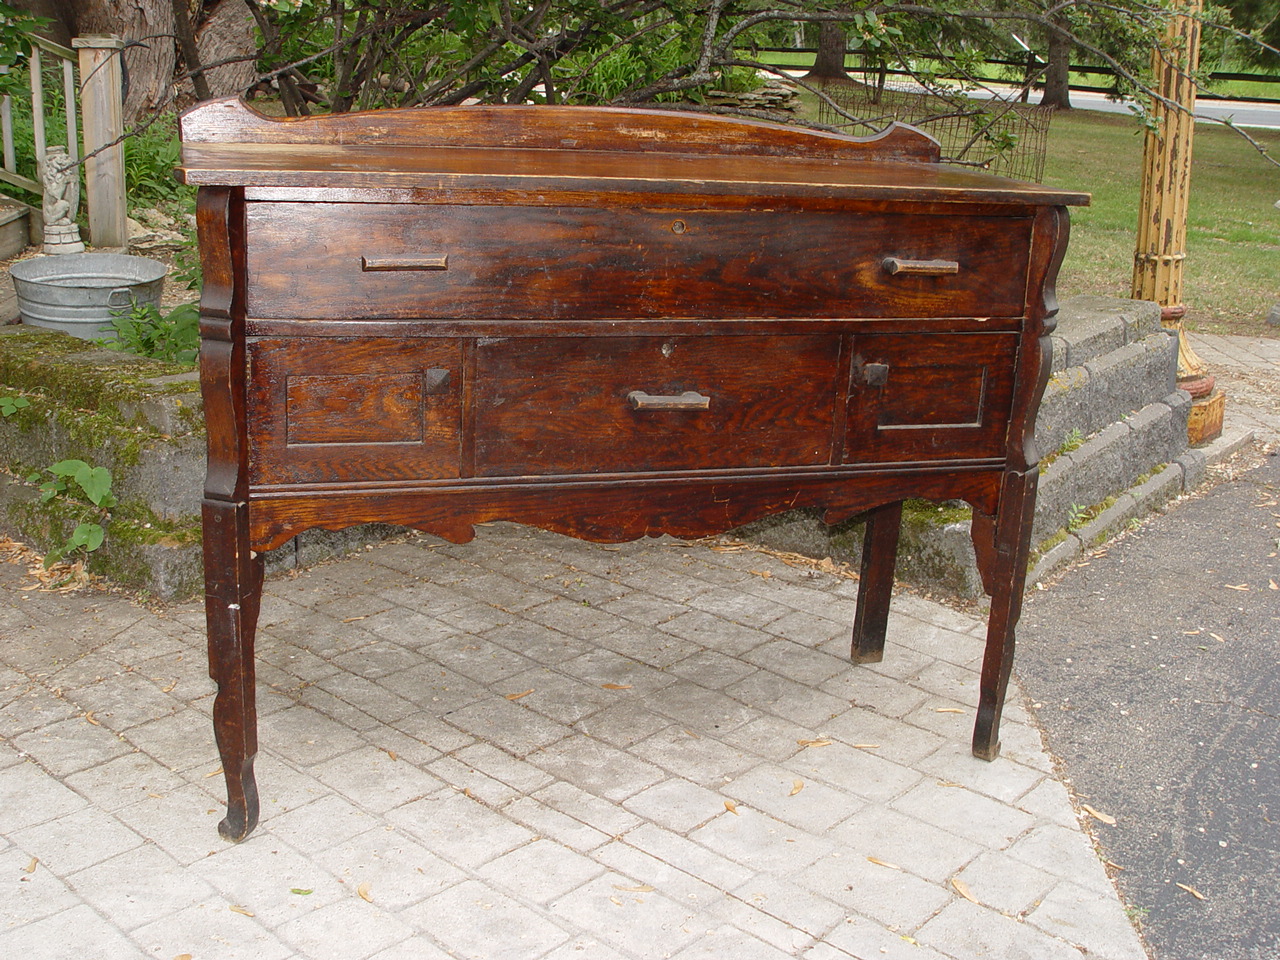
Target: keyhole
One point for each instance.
(678, 226)
(668, 348)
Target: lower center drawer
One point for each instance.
(624, 404)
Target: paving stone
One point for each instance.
(29, 796)
(644, 924)
(305, 736)
(696, 708)
(906, 842)
(540, 871)
(76, 840)
(860, 771)
(772, 789)
(348, 929)
(538, 643)
(356, 702)
(262, 881)
(71, 745)
(796, 662)
(31, 891)
(184, 823)
(1049, 800)
(139, 887)
(791, 904)
(706, 629)
(1005, 884)
(772, 738)
(1002, 779)
(798, 702)
(893, 897)
(476, 922)
(33, 708)
(509, 725)
(676, 804)
(643, 608)
(124, 781)
(859, 936)
(711, 668)
(984, 821)
(78, 931)
(559, 697)
(399, 871)
(415, 948)
(570, 799)
(969, 932)
(762, 843)
(459, 829)
(729, 941)
(683, 854)
(1065, 853)
(622, 724)
(597, 767)
(434, 688)
(583, 947)
(701, 759)
(373, 779)
(549, 822)
(321, 824)
(813, 630)
(897, 741)
(884, 695)
(210, 929)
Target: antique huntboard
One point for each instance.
(613, 324)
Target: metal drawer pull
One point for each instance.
(689, 400)
(921, 268)
(373, 264)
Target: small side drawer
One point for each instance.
(921, 397)
(350, 410)
(375, 260)
(596, 405)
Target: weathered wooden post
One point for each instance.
(1162, 212)
(102, 107)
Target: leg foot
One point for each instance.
(242, 804)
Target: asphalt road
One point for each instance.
(1155, 671)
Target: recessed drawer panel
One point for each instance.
(930, 397)
(597, 405)
(340, 260)
(338, 409)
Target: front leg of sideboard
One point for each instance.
(233, 594)
(1004, 557)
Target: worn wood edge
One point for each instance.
(232, 120)
(609, 510)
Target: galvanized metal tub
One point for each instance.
(78, 293)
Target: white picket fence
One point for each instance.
(93, 104)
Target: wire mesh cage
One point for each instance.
(1008, 138)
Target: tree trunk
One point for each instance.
(146, 24)
(829, 64)
(1057, 86)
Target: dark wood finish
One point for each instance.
(613, 324)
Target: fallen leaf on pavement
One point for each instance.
(796, 788)
(1098, 815)
(642, 888)
(883, 863)
(732, 808)
(948, 710)
(1237, 586)
(962, 888)
(31, 867)
(616, 686)
(363, 890)
(1193, 891)
(92, 719)
(814, 743)
(241, 910)
(517, 696)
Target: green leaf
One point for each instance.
(67, 468)
(96, 484)
(300, 892)
(87, 535)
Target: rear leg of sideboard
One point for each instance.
(1005, 557)
(233, 594)
(875, 583)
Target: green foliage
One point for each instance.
(11, 405)
(144, 331)
(150, 156)
(77, 481)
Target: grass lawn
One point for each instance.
(1232, 272)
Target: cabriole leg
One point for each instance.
(233, 593)
(875, 585)
(1007, 581)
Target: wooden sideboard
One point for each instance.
(612, 324)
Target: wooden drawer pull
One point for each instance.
(921, 268)
(689, 400)
(374, 264)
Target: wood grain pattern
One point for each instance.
(542, 263)
(613, 324)
(353, 409)
(552, 406)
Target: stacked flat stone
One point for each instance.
(774, 95)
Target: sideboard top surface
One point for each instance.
(576, 149)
